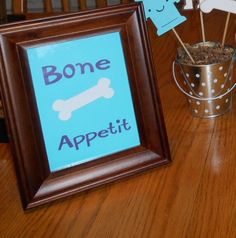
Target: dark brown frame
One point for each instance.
(37, 184)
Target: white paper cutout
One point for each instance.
(223, 5)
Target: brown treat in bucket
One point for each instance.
(205, 54)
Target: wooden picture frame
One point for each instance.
(25, 104)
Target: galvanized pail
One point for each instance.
(208, 88)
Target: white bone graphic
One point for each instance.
(223, 5)
(66, 107)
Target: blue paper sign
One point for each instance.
(163, 14)
(84, 99)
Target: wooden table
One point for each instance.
(193, 197)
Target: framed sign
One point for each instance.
(81, 101)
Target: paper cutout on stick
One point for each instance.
(188, 4)
(163, 14)
(191, 4)
(223, 5)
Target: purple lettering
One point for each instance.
(78, 140)
(103, 64)
(82, 67)
(103, 133)
(50, 72)
(126, 125)
(89, 137)
(65, 140)
(52, 75)
(71, 69)
(111, 128)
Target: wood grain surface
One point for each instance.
(195, 197)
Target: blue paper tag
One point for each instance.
(164, 14)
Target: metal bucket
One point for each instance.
(208, 88)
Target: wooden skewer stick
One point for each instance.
(184, 47)
(202, 27)
(225, 30)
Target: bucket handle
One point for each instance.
(198, 98)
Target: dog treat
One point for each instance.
(205, 54)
